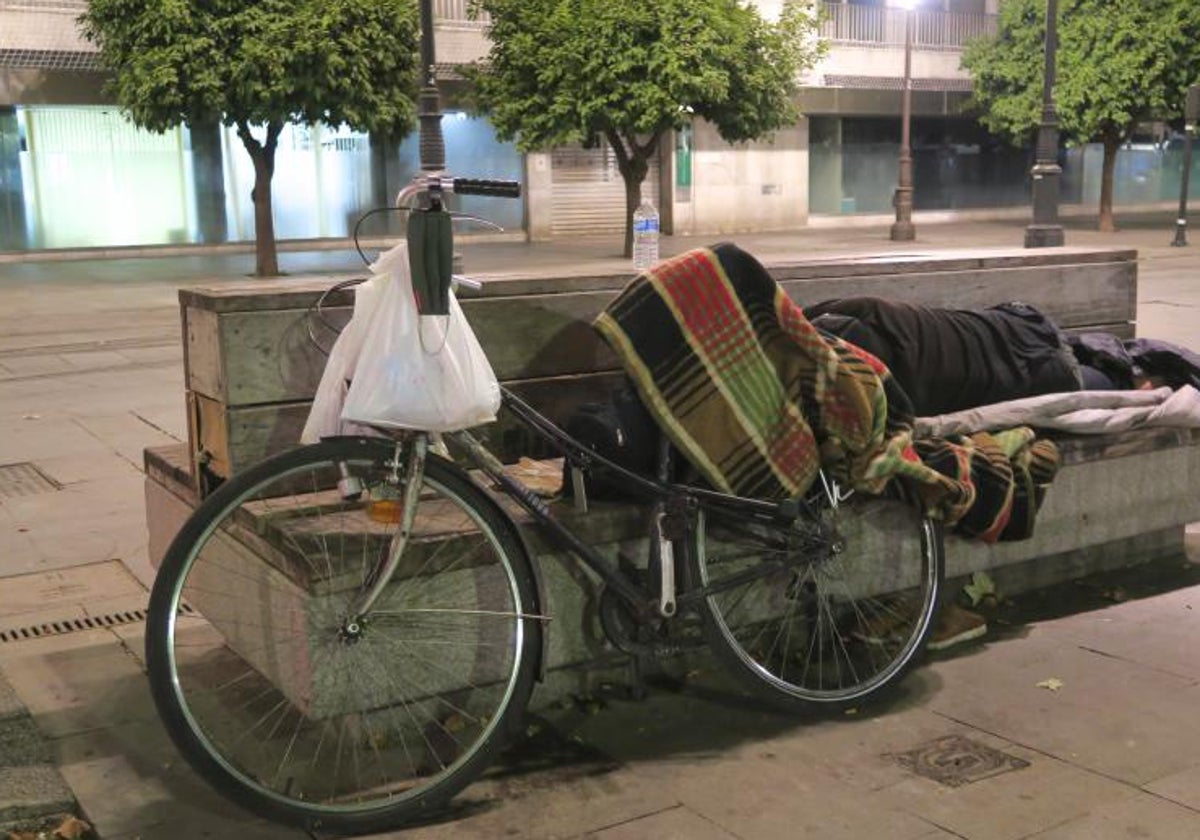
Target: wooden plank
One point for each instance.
(254, 432)
(299, 292)
(202, 352)
(208, 439)
(268, 356)
(1073, 295)
(271, 356)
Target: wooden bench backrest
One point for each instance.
(251, 368)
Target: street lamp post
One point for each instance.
(1046, 232)
(433, 146)
(903, 229)
(1191, 114)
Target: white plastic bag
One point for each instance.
(325, 416)
(418, 372)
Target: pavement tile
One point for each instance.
(22, 744)
(83, 502)
(10, 705)
(170, 418)
(1031, 799)
(556, 803)
(1172, 619)
(125, 434)
(133, 636)
(855, 750)
(756, 769)
(73, 469)
(1139, 816)
(1111, 716)
(44, 436)
(37, 365)
(129, 780)
(673, 824)
(67, 593)
(95, 359)
(1182, 787)
(82, 523)
(18, 550)
(30, 793)
(79, 682)
(780, 799)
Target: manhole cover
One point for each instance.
(956, 761)
(24, 479)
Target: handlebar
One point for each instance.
(435, 184)
(480, 186)
(430, 237)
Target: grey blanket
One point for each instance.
(1084, 412)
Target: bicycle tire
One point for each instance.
(827, 629)
(275, 704)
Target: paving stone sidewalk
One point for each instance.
(90, 373)
(32, 790)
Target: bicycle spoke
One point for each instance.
(315, 713)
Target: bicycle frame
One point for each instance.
(675, 504)
(678, 501)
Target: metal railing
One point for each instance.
(846, 23)
(454, 12)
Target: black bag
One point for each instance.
(620, 429)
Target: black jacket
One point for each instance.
(1122, 360)
(951, 359)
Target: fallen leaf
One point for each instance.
(72, 828)
(980, 587)
(1053, 684)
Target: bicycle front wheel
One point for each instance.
(811, 614)
(284, 702)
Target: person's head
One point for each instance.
(1145, 382)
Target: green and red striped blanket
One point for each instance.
(758, 400)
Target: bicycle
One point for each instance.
(344, 635)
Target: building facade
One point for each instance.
(75, 173)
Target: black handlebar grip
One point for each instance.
(479, 186)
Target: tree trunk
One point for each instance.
(633, 199)
(633, 161)
(1112, 143)
(266, 259)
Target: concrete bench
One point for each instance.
(251, 373)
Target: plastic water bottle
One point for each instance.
(645, 236)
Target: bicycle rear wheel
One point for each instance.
(288, 707)
(812, 614)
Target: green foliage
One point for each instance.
(1117, 62)
(563, 71)
(253, 62)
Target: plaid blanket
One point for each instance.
(758, 400)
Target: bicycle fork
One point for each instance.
(414, 472)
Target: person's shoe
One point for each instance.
(886, 625)
(955, 625)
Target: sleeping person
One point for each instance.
(951, 359)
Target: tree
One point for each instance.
(257, 64)
(627, 71)
(1118, 63)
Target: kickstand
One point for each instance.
(641, 665)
